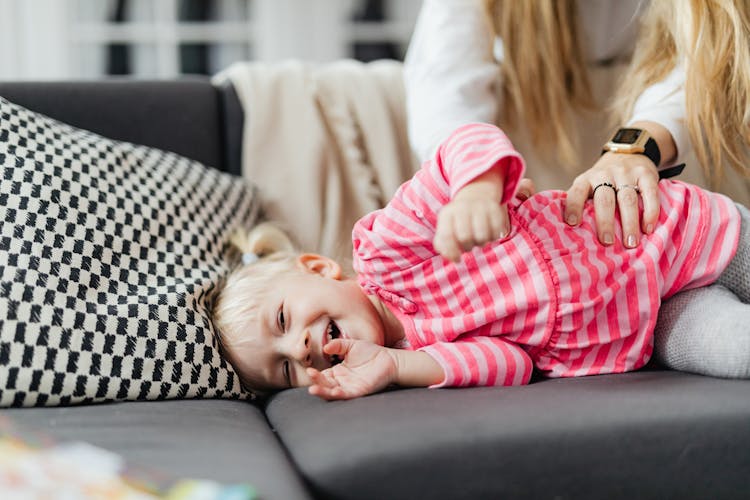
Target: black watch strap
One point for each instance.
(652, 151)
(672, 171)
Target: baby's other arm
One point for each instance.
(368, 368)
(476, 215)
(483, 173)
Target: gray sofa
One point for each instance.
(649, 434)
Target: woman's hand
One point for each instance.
(631, 176)
(367, 368)
(622, 180)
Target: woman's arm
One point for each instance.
(449, 72)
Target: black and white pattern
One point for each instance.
(109, 252)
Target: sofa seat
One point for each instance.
(650, 434)
(226, 441)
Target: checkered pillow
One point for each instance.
(108, 254)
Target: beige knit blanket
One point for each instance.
(325, 144)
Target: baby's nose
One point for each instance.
(304, 349)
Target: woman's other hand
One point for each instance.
(627, 182)
(621, 179)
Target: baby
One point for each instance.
(451, 290)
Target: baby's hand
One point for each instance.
(475, 215)
(367, 368)
(467, 222)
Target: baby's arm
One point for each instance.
(483, 172)
(368, 368)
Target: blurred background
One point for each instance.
(88, 39)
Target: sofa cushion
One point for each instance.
(225, 441)
(649, 434)
(110, 251)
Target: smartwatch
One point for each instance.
(634, 141)
(639, 141)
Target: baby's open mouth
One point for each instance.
(333, 332)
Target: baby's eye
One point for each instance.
(280, 319)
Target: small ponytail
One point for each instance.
(263, 240)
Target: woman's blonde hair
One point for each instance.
(271, 256)
(711, 38)
(544, 75)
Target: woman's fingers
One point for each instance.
(624, 190)
(628, 203)
(576, 197)
(649, 186)
(605, 199)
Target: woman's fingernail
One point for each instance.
(572, 220)
(608, 239)
(631, 241)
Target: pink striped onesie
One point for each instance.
(549, 296)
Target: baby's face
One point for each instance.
(304, 311)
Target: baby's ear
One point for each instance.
(319, 264)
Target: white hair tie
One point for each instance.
(249, 258)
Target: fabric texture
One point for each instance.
(691, 336)
(109, 255)
(324, 143)
(549, 296)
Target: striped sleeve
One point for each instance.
(474, 149)
(400, 235)
(481, 361)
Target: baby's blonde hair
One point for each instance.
(236, 303)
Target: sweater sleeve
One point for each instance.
(472, 150)
(481, 361)
(450, 74)
(399, 236)
(664, 103)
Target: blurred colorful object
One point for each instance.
(33, 467)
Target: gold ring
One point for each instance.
(607, 184)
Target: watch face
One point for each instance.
(627, 135)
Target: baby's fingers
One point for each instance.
(321, 379)
(498, 223)
(340, 347)
(327, 393)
